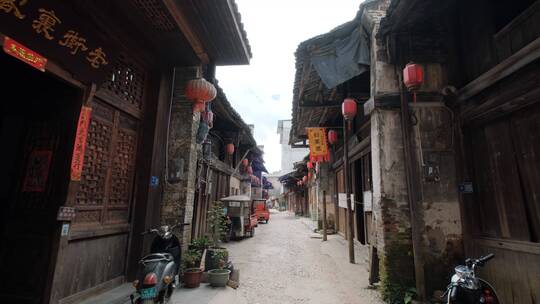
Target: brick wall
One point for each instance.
(178, 195)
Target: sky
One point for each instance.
(262, 91)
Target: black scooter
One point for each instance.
(157, 276)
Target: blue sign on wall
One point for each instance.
(154, 181)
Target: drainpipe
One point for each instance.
(411, 166)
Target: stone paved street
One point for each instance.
(282, 264)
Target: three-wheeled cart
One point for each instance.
(261, 210)
(242, 219)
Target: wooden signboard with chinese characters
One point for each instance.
(318, 146)
(77, 160)
(50, 28)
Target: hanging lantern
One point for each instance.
(309, 165)
(208, 117)
(413, 77)
(349, 108)
(249, 170)
(200, 91)
(245, 162)
(229, 149)
(332, 137)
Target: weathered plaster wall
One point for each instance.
(178, 195)
(390, 205)
(327, 185)
(440, 215)
(442, 235)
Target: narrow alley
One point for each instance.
(283, 263)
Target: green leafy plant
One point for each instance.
(191, 259)
(216, 222)
(409, 295)
(221, 257)
(201, 243)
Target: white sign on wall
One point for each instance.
(368, 201)
(342, 200)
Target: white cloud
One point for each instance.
(262, 91)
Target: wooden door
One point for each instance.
(97, 247)
(506, 158)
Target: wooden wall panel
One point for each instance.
(91, 262)
(513, 272)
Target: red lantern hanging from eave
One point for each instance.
(413, 77)
(349, 108)
(332, 137)
(229, 149)
(200, 91)
(245, 162)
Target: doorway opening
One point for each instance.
(38, 119)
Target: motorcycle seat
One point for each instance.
(157, 257)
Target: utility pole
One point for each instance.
(348, 190)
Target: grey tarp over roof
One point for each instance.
(349, 55)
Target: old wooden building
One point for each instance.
(450, 171)
(84, 123)
(222, 172)
(486, 54)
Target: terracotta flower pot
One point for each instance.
(192, 277)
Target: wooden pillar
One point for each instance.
(350, 228)
(324, 236)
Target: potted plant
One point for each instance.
(217, 224)
(192, 270)
(219, 277)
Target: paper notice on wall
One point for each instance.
(342, 200)
(368, 201)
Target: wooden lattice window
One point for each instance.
(105, 189)
(127, 82)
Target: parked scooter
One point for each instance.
(157, 276)
(466, 288)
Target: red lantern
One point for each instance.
(349, 108)
(332, 137)
(249, 170)
(413, 77)
(245, 162)
(229, 149)
(200, 91)
(309, 165)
